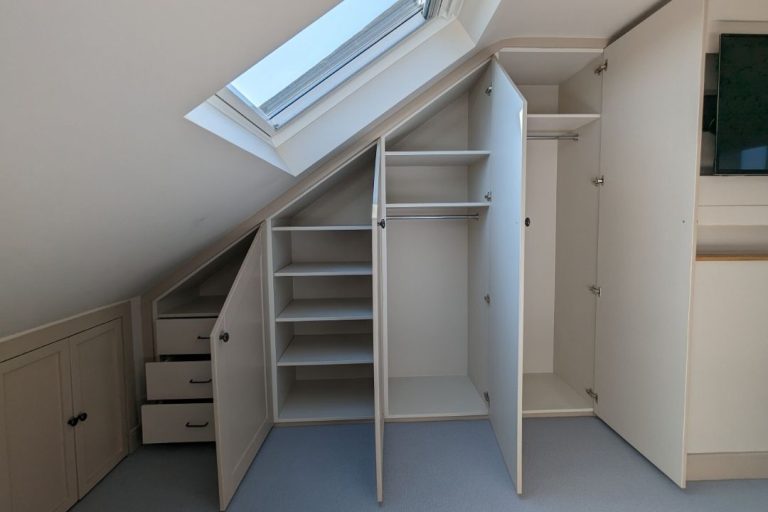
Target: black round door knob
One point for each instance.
(82, 416)
(72, 421)
(527, 222)
(224, 336)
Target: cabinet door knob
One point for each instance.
(224, 336)
(196, 425)
(82, 416)
(72, 421)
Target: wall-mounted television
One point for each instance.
(742, 106)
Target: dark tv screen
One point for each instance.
(742, 105)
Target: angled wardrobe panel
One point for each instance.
(504, 137)
(240, 376)
(650, 160)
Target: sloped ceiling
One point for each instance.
(104, 186)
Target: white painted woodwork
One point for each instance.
(349, 227)
(728, 389)
(207, 306)
(37, 447)
(545, 66)
(434, 158)
(541, 208)
(646, 248)
(354, 268)
(240, 371)
(328, 349)
(328, 400)
(179, 380)
(556, 123)
(98, 390)
(547, 395)
(434, 397)
(505, 136)
(465, 205)
(326, 310)
(183, 336)
(177, 423)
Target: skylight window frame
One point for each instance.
(326, 83)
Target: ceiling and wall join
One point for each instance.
(104, 186)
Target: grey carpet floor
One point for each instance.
(573, 465)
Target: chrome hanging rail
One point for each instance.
(471, 216)
(565, 136)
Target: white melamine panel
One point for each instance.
(427, 298)
(556, 123)
(505, 137)
(177, 423)
(545, 66)
(239, 361)
(98, 398)
(330, 246)
(179, 380)
(328, 349)
(326, 310)
(340, 227)
(541, 208)
(469, 205)
(728, 389)
(183, 336)
(328, 400)
(37, 447)
(434, 397)
(444, 129)
(646, 252)
(547, 395)
(434, 158)
(353, 268)
(207, 306)
(542, 99)
(417, 184)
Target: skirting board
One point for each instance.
(727, 466)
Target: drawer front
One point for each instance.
(177, 423)
(179, 380)
(184, 335)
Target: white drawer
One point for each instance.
(179, 380)
(184, 335)
(177, 423)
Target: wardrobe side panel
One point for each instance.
(576, 238)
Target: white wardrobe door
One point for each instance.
(379, 251)
(239, 363)
(505, 139)
(650, 157)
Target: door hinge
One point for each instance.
(598, 181)
(592, 394)
(382, 224)
(596, 290)
(487, 298)
(487, 397)
(489, 90)
(602, 68)
(488, 196)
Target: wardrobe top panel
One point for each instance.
(545, 66)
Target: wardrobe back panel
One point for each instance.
(331, 246)
(446, 130)
(426, 184)
(348, 203)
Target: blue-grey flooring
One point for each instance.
(570, 464)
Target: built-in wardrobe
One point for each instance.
(521, 244)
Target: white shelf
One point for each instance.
(355, 268)
(547, 395)
(349, 227)
(328, 349)
(434, 158)
(207, 306)
(326, 310)
(557, 123)
(434, 397)
(328, 400)
(437, 206)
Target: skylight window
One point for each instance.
(321, 57)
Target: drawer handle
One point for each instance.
(194, 381)
(195, 425)
(201, 338)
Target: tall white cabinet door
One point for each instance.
(379, 254)
(98, 396)
(37, 445)
(650, 158)
(505, 138)
(239, 369)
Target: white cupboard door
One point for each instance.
(505, 139)
(239, 368)
(652, 94)
(379, 254)
(98, 396)
(37, 445)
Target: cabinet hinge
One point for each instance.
(487, 397)
(602, 68)
(598, 181)
(489, 90)
(487, 298)
(596, 290)
(488, 196)
(591, 393)
(382, 224)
